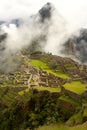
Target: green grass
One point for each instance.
(63, 127)
(75, 86)
(70, 100)
(48, 89)
(41, 65)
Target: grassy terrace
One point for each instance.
(48, 89)
(70, 100)
(41, 65)
(75, 86)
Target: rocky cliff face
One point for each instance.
(46, 12)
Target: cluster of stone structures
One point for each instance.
(28, 76)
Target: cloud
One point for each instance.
(74, 11)
(18, 8)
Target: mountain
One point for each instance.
(39, 21)
(46, 12)
(76, 46)
(47, 28)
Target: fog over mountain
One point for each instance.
(76, 46)
(47, 30)
(43, 31)
(47, 27)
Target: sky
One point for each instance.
(74, 11)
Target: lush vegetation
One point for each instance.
(31, 109)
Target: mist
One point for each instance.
(54, 29)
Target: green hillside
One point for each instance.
(45, 89)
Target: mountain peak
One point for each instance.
(45, 11)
